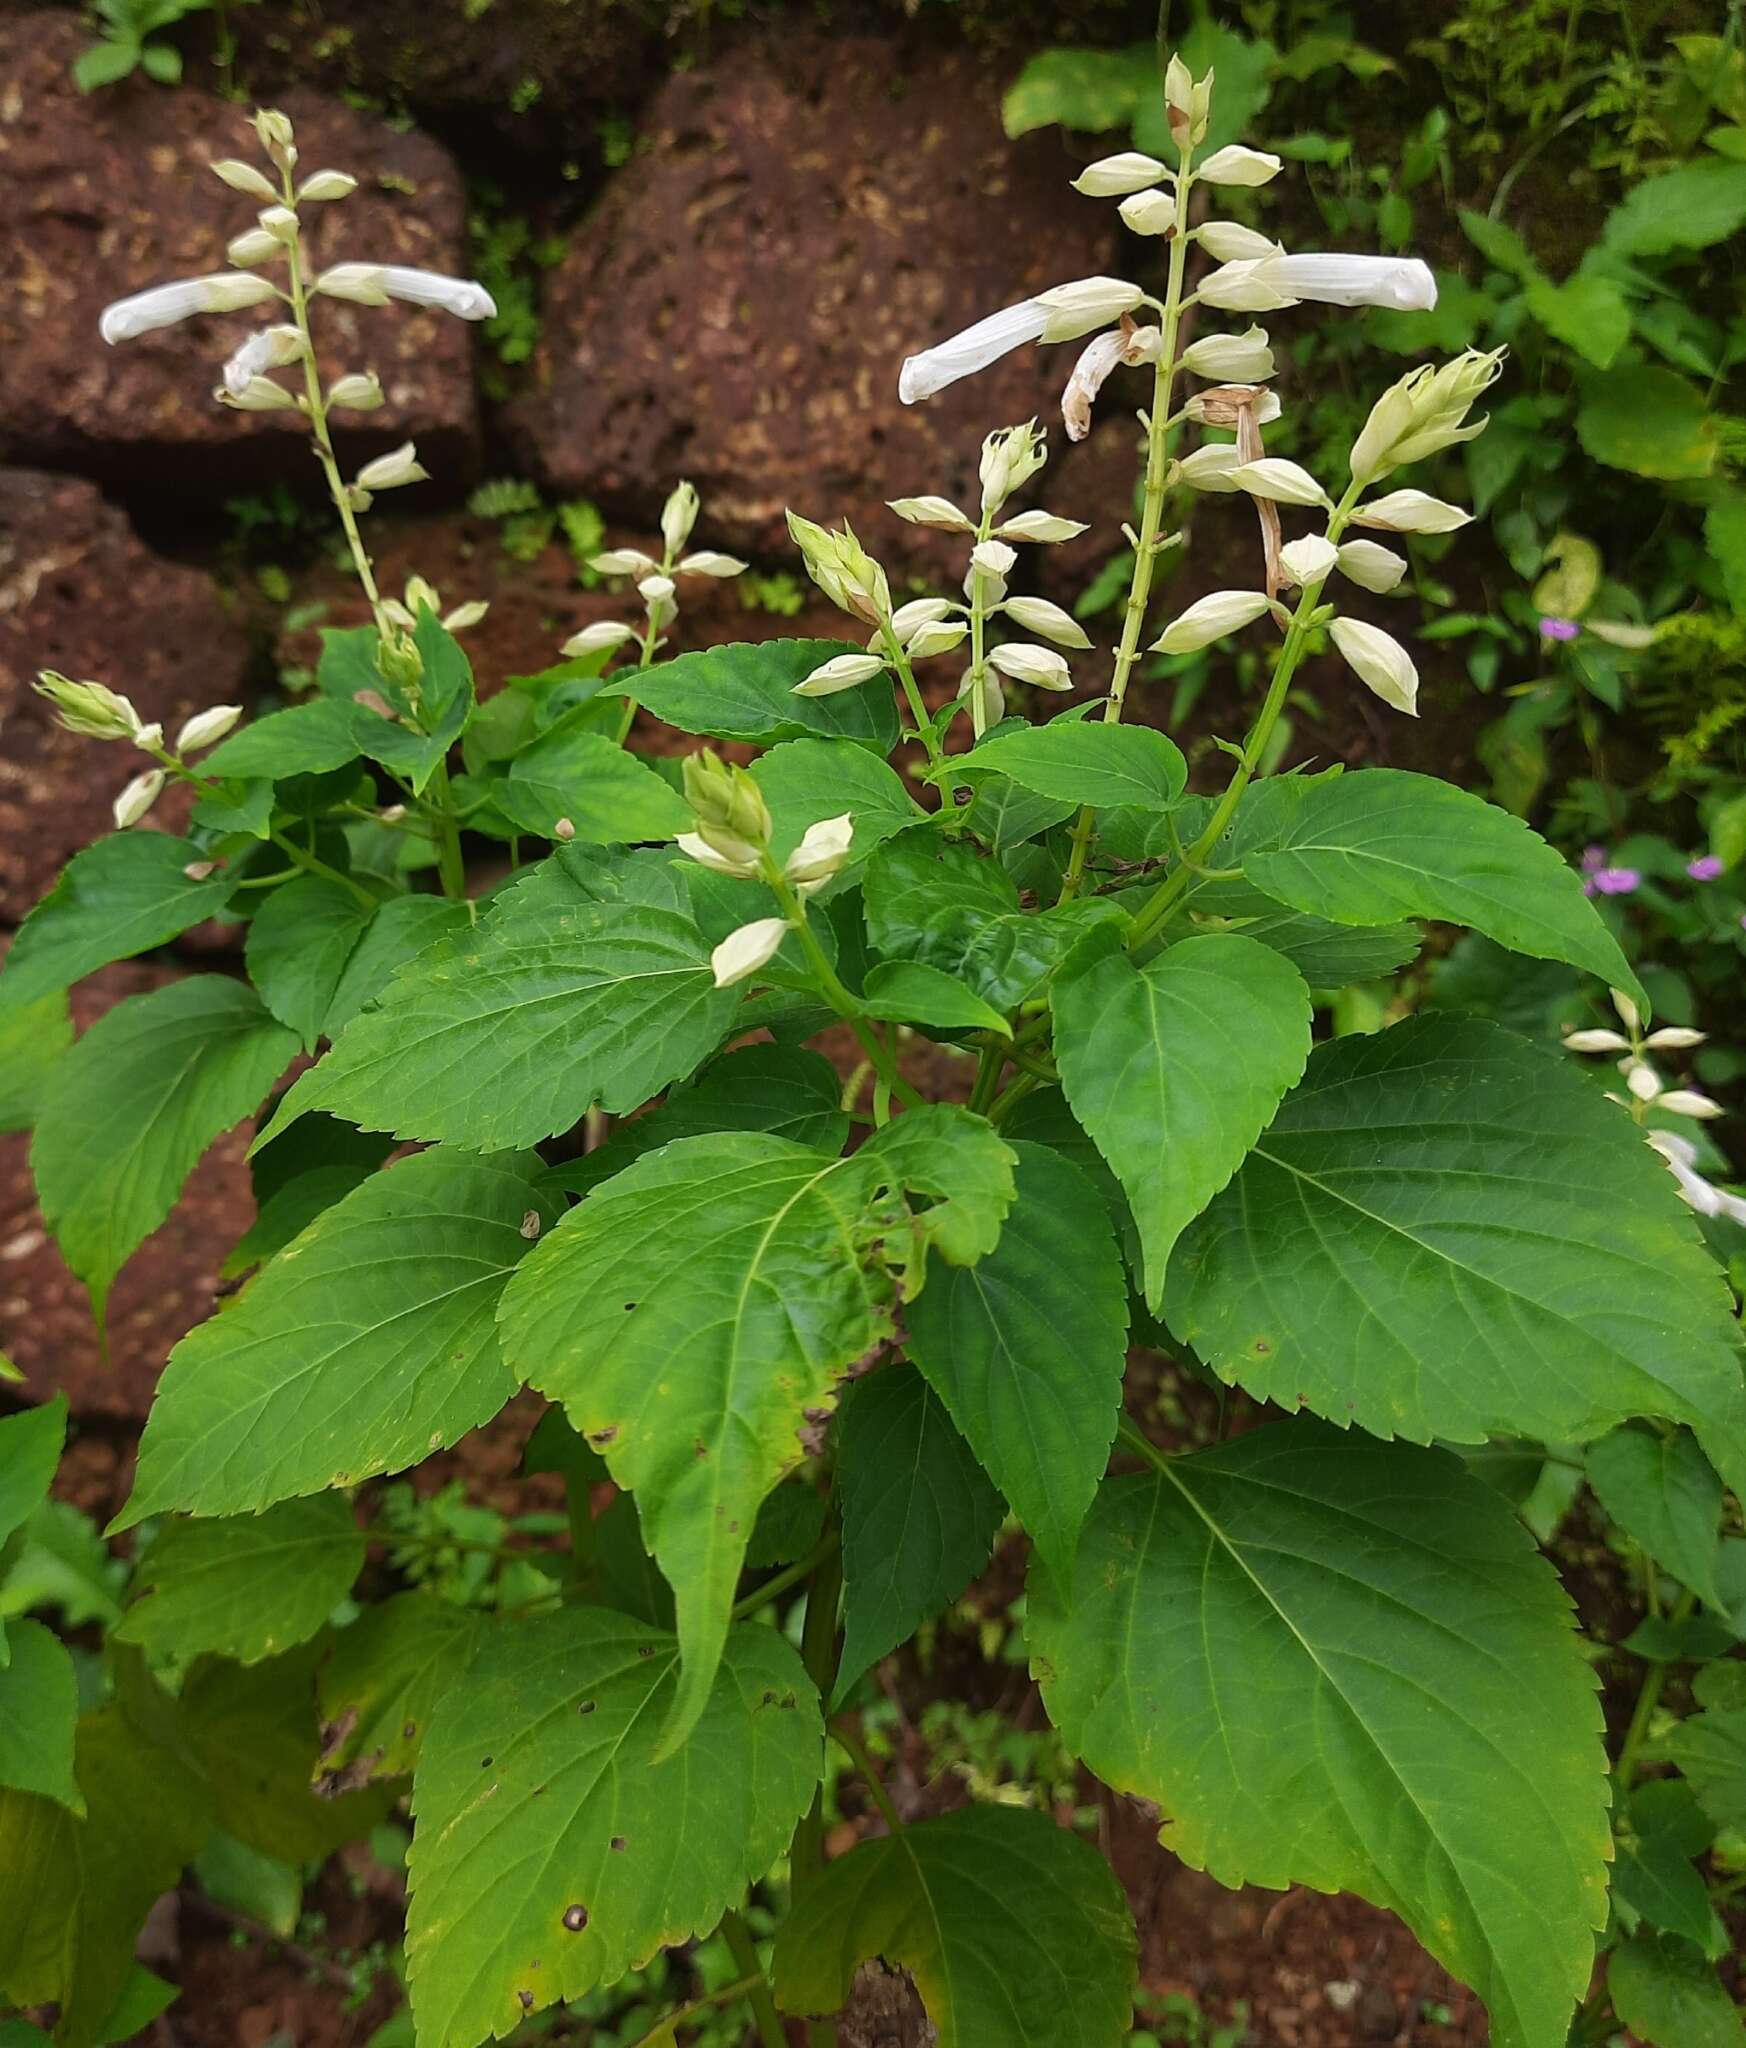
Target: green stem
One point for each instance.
(1136, 1440)
(856, 1751)
(314, 865)
(744, 1952)
(665, 2032)
(1648, 1699)
(791, 1575)
(938, 771)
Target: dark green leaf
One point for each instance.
(1698, 204)
(1083, 761)
(397, 932)
(1710, 1749)
(575, 773)
(382, 1682)
(806, 781)
(1091, 90)
(789, 1524)
(911, 992)
(1648, 419)
(308, 739)
(298, 944)
(33, 1036)
(1662, 1492)
(39, 1702)
(1665, 1992)
(745, 691)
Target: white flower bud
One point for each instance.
(1235, 165)
(92, 710)
(1071, 310)
(259, 394)
(1228, 241)
(1411, 512)
(1240, 288)
(822, 852)
(280, 222)
(255, 246)
(679, 516)
(137, 798)
(1674, 1038)
(841, 672)
(1210, 468)
(939, 638)
(1286, 483)
(993, 558)
(1370, 565)
(920, 611)
(1688, 1102)
(1038, 615)
(1211, 618)
(598, 638)
(564, 830)
(465, 615)
(712, 562)
(149, 736)
(932, 512)
(1231, 358)
(325, 185)
(241, 177)
(360, 391)
(1112, 176)
(388, 472)
(623, 562)
(1623, 1004)
(225, 291)
(973, 349)
(655, 590)
(1149, 213)
(1642, 1079)
(206, 728)
(1042, 667)
(745, 865)
(374, 284)
(1309, 560)
(1010, 457)
(743, 952)
(1595, 1041)
(274, 130)
(1043, 527)
(1380, 663)
(269, 348)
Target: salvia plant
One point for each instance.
(822, 1334)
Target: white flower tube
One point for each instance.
(1042, 667)
(225, 291)
(1231, 358)
(1380, 663)
(1401, 283)
(972, 349)
(1112, 176)
(1235, 165)
(1210, 618)
(1286, 483)
(600, 638)
(743, 952)
(841, 672)
(1370, 565)
(137, 798)
(1411, 512)
(1038, 615)
(1309, 560)
(374, 284)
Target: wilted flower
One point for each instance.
(1223, 405)
(1379, 661)
(270, 348)
(743, 952)
(1125, 344)
(374, 284)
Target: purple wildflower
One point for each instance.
(1705, 868)
(1613, 881)
(1559, 629)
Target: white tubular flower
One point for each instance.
(743, 952)
(1071, 310)
(205, 728)
(1688, 1102)
(1219, 405)
(1043, 527)
(252, 247)
(1674, 1038)
(1235, 165)
(1149, 213)
(932, 512)
(1042, 667)
(1211, 468)
(1239, 288)
(941, 638)
(241, 177)
(1231, 358)
(623, 562)
(821, 853)
(972, 349)
(1038, 615)
(655, 590)
(361, 391)
(374, 284)
(743, 867)
(1595, 1041)
(465, 615)
(1286, 483)
(225, 291)
(1310, 560)
(1707, 1199)
(1211, 618)
(920, 611)
(388, 472)
(1370, 565)
(1379, 662)
(679, 516)
(1411, 512)
(137, 798)
(268, 349)
(1228, 241)
(841, 672)
(326, 185)
(712, 562)
(1401, 283)
(1124, 344)
(1112, 176)
(600, 638)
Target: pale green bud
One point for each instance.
(679, 516)
(1010, 457)
(360, 391)
(1149, 213)
(1210, 618)
(1424, 413)
(206, 728)
(274, 130)
(731, 812)
(1286, 483)
(1041, 667)
(1235, 165)
(388, 472)
(1071, 310)
(932, 512)
(1038, 615)
(241, 177)
(821, 853)
(742, 953)
(326, 185)
(1043, 527)
(1379, 661)
(841, 672)
(842, 569)
(137, 798)
(89, 709)
(1111, 177)
(600, 638)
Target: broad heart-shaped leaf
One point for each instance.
(308, 739)
(1448, 1232)
(692, 1311)
(1664, 1493)
(382, 1681)
(244, 1586)
(39, 1702)
(554, 1849)
(1669, 1996)
(745, 691)
(805, 781)
(1340, 1663)
(1175, 1067)
(1710, 1749)
(298, 944)
(133, 1106)
(121, 896)
(1380, 844)
(919, 1517)
(575, 773)
(506, 1035)
(1086, 762)
(1014, 1930)
(366, 1345)
(1027, 1348)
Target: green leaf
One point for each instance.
(245, 807)
(33, 1036)
(1085, 762)
(910, 992)
(59, 1561)
(1588, 314)
(1027, 1348)
(572, 772)
(1710, 1749)
(789, 1524)
(745, 691)
(308, 739)
(1339, 1663)
(398, 931)
(1380, 843)
(30, 1449)
(1654, 1876)
(1669, 1996)
(143, 1995)
(1089, 90)
(1175, 1067)
(39, 1702)
(379, 1688)
(1647, 419)
(1499, 244)
(1004, 816)
(554, 1850)
(1416, 1247)
(298, 944)
(244, 1586)
(806, 781)
(415, 752)
(1693, 207)
(500, 1037)
(693, 1309)
(367, 1345)
(134, 1105)
(1014, 1930)
(1326, 954)
(1662, 1492)
(121, 896)
(919, 1517)
(231, 1874)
